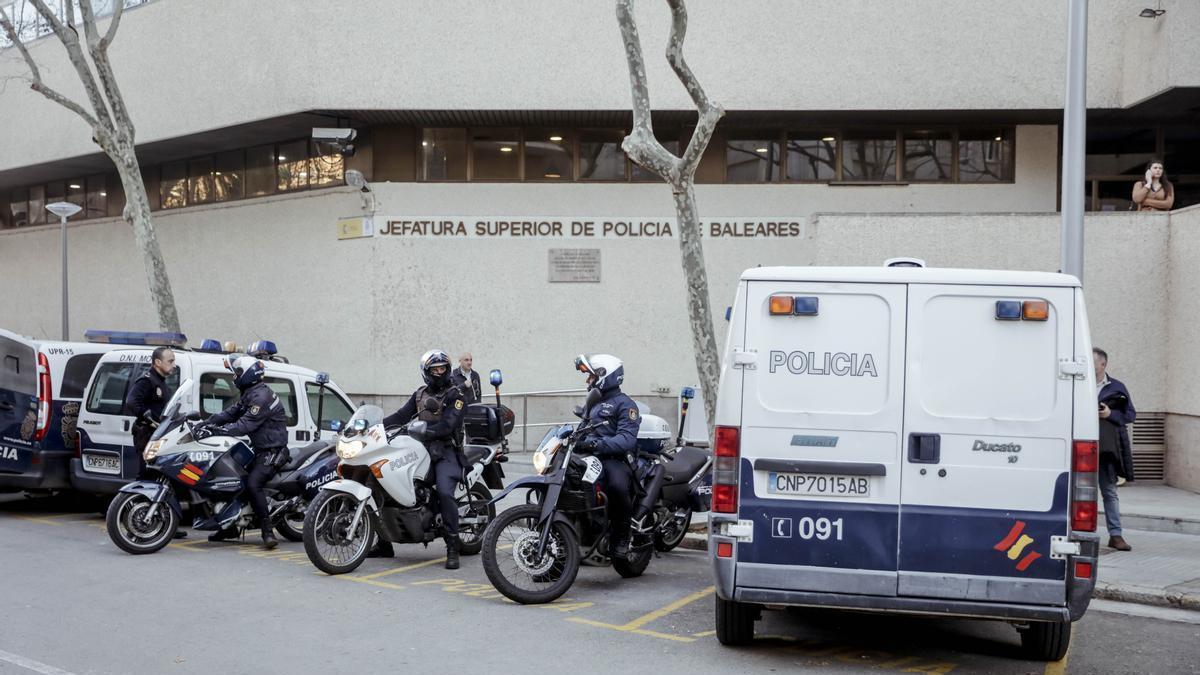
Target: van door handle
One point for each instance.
(126, 425)
(6, 406)
(924, 448)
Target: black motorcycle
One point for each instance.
(210, 475)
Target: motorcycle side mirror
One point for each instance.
(578, 411)
(194, 416)
(336, 425)
(496, 378)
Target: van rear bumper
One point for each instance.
(49, 473)
(93, 483)
(925, 606)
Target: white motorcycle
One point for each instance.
(387, 488)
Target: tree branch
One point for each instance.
(70, 40)
(38, 84)
(98, 48)
(118, 12)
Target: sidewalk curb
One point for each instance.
(695, 541)
(1135, 521)
(1146, 596)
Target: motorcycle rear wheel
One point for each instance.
(636, 564)
(472, 538)
(290, 525)
(128, 531)
(328, 546)
(516, 571)
(671, 533)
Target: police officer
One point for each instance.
(613, 442)
(147, 397)
(260, 415)
(438, 409)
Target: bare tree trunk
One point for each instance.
(644, 149)
(112, 129)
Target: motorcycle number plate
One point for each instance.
(593, 469)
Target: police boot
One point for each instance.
(268, 536)
(228, 534)
(453, 544)
(621, 544)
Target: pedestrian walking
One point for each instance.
(1116, 453)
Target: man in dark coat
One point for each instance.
(467, 380)
(1116, 452)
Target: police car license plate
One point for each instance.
(818, 484)
(102, 463)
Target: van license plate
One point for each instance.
(823, 485)
(102, 463)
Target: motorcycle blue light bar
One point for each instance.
(1008, 310)
(260, 347)
(117, 337)
(687, 392)
(805, 305)
(210, 345)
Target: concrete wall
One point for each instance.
(1183, 419)
(186, 67)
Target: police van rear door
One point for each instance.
(18, 402)
(822, 411)
(987, 433)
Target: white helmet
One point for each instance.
(607, 370)
(247, 371)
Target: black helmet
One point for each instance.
(435, 357)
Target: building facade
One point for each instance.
(504, 219)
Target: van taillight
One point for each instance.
(44, 398)
(725, 470)
(78, 444)
(1085, 460)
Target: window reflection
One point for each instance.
(18, 208)
(496, 154)
(444, 154)
(172, 186)
(200, 181)
(76, 191)
(928, 156)
(293, 166)
(260, 171)
(812, 156)
(869, 156)
(985, 156)
(229, 173)
(548, 154)
(325, 170)
(37, 205)
(96, 203)
(751, 159)
(600, 155)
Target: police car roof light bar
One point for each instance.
(117, 337)
(262, 348)
(211, 346)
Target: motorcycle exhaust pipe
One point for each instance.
(657, 477)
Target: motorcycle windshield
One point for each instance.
(553, 434)
(173, 413)
(364, 418)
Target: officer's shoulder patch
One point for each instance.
(633, 413)
(158, 392)
(458, 404)
(254, 409)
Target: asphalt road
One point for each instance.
(71, 602)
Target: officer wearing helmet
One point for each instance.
(612, 442)
(434, 415)
(260, 415)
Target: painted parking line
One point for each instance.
(1059, 667)
(398, 570)
(637, 625)
(30, 664)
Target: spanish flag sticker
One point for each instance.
(190, 474)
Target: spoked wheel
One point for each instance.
(328, 540)
(290, 524)
(138, 525)
(511, 560)
(673, 529)
(471, 534)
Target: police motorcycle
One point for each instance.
(209, 474)
(387, 489)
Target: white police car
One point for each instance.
(912, 440)
(105, 460)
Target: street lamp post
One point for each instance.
(63, 210)
(1074, 139)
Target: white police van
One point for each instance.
(912, 440)
(41, 385)
(105, 460)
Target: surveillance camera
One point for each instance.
(332, 135)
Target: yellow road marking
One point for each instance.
(678, 604)
(397, 570)
(188, 546)
(365, 580)
(704, 633)
(44, 520)
(1059, 667)
(626, 629)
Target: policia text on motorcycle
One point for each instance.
(439, 406)
(258, 414)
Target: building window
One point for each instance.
(229, 176)
(200, 181)
(260, 171)
(496, 154)
(869, 155)
(18, 208)
(77, 192)
(600, 155)
(172, 186)
(444, 154)
(985, 156)
(752, 158)
(325, 170)
(292, 166)
(37, 205)
(669, 140)
(928, 156)
(812, 156)
(96, 203)
(549, 155)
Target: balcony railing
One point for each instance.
(30, 25)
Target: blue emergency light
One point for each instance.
(117, 337)
(805, 305)
(687, 392)
(261, 348)
(211, 346)
(1008, 310)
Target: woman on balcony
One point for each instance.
(1155, 193)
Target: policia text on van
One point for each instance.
(860, 464)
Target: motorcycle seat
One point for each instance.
(301, 454)
(687, 462)
(475, 453)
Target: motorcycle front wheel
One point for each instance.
(328, 541)
(138, 526)
(512, 564)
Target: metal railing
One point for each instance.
(31, 26)
(526, 425)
